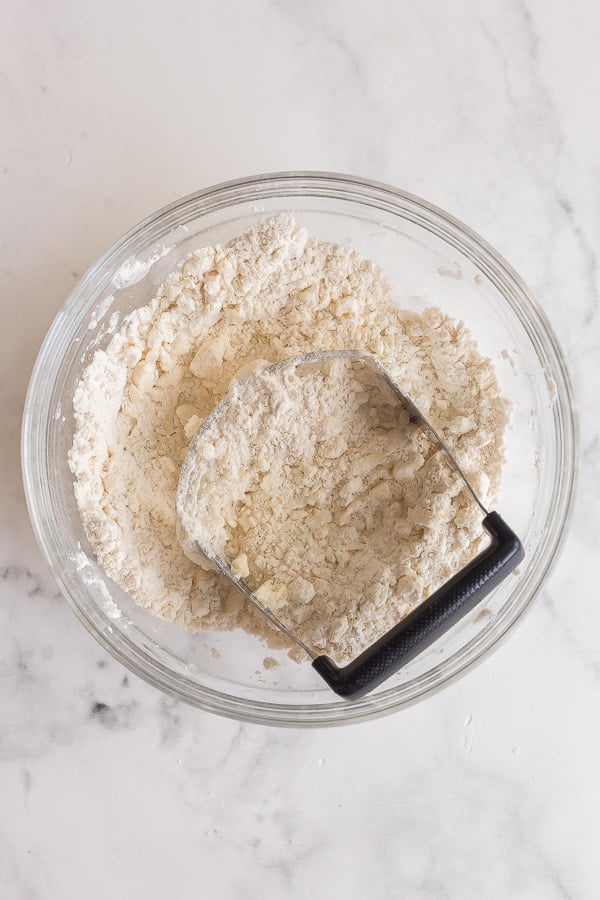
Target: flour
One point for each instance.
(269, 294)
(335, 508)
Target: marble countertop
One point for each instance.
(489, 789)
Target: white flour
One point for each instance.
(269, 294)
(338, 512)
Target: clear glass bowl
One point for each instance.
(431, 259)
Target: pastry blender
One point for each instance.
(432, 617)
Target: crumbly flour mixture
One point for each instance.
(269, 294)
(337, 511)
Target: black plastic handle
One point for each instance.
(431, 619)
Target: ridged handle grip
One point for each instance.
(431, 619)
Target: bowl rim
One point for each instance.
(379, 196)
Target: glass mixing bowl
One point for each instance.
(431, 259)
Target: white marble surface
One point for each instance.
(110, 110)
